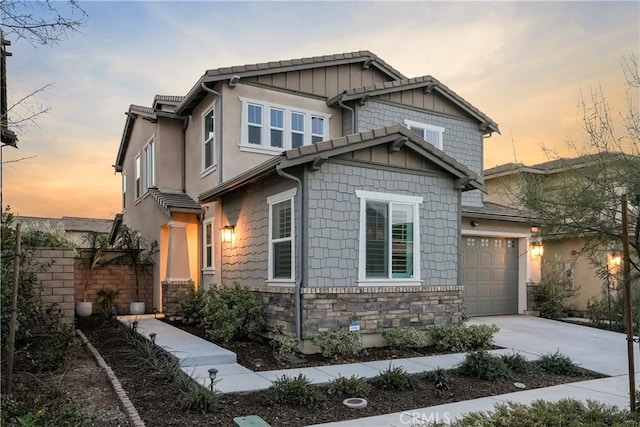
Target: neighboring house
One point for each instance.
(334, 187)
(75, 229)
(563, 256)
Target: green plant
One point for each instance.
(283, 341)
(339, 343)
(197, 398)
(480, 364)
(295, 391)
(395, 378)
(554, 290)
(516, 362)
(405, 338)
(353, 386)
(462, 338)
(230, 313)
(137, 252)
(440, 380)
(190, 306)
(95, 245)
(149, 357)
(107, 301)
(559, 364)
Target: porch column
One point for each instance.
(178, 275)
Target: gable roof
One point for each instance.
(318, 153)
(175, 202)
(197, 93)
(429, 83)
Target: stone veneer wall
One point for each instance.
(375, 308)
(172, 293)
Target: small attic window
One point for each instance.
(430, 133)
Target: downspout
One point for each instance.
(353, 115)
(298, 285)
(218, 112)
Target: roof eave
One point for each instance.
(124, 141)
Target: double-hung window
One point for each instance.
(281, 237)
(389, 237)
(270, 128)
(138, 182)
(208, 140)
(124, 190)
(431, 134)
(149, 165)
(207, 244)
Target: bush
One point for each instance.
(339, 343)
(231, 313)
(190, 306)
(283, 342)
(462, 338)
(440, 380)
(559, 364)
(197, 398)
(396, 379)
(485, 366)
(295, 391)
(405, 338)
(554, 291)
(349, 387)
(516, 362)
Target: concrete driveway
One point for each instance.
(594, 349)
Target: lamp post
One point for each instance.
(213, 372)
(152, 337)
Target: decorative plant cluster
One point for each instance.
(406, 338)
(339, 344)
(284, 342)
(440, 380)
(190, 306)
(295, 391)
(516, 362)
(559, 364)
(484, 366)
(444, 338)
(353, 386)
(395, 378)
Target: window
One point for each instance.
(389, 237)
(281, 237)
(124, 190)
(208, 132)
(431, 134)
(207, 244)
(138, 183)
(149, 166)
(268, 128)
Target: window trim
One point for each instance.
(204, 140)
(137, 166)
(208, 268)
(124, 190)
(288, 195)
(265, 146)
(149, 162)
(424, 126)
(366, 196)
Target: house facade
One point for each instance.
(336, 189)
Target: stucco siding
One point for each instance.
(334, 222)
(462, 139)
(168, 155)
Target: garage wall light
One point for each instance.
(537, 249)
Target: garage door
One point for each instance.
(490, 275)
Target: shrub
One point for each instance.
(405, 338)
(231, 313)
(197, 398)
(516, 362)
(440, 380)
(295, 391)
(190, 306)
(395, 378)
(349, 387)
(462, 338)
(283, 341)
(559, 364)
(339, 343)
(554, 291)
(485, 366)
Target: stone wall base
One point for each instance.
(172, 294)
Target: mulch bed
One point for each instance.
(158, 401)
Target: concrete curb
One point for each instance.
(128, 407)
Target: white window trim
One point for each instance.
(204, 140)
(265, 147)
(438, 129)
(124, 190)
(137, 175)
(149, 163)
(365, 196)
(205, 268)
(272, 200)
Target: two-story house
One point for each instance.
(333, 187)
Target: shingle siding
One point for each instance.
(462, 139)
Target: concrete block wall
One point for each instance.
(58, 280)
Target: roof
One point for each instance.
(197, 93)
(318, 153)
(497, 212)
(66, 224)
(175, 202)
(429, 82)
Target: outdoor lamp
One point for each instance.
(228, 233)
(212, 376)
(537, 250)
(615, 260)
(152, 337)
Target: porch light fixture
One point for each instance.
(614, 260)
(213, 372)
(534, 229)
(537, 250)
(228, 233)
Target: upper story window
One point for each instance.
(272, 128)
(138, 183)
(208, 149)
(431, 134)
(149, 155)
(207, 244)
(124, 190)
(389, 238)
(281, 237)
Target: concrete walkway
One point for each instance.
(594, 349)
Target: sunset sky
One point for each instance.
(524, 64)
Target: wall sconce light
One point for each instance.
(614, 260)
(474, 224)
(534, 229)
(537, 250)
(228, 233)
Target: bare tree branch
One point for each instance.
(6, 162)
